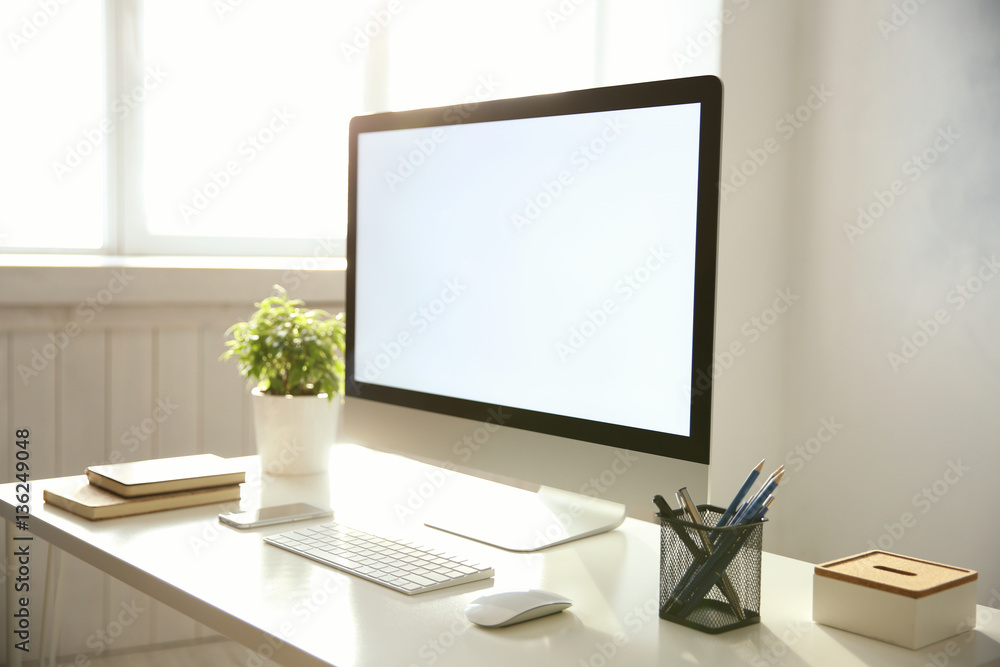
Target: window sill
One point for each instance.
(67, 280)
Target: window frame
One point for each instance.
(127, 233)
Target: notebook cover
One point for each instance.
(83, 499)
(179, 473)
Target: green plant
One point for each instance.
(286, 349)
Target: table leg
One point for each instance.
(50, 610)
(13, 655)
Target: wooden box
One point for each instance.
(897, 599)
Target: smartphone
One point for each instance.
(266, 516)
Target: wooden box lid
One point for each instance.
(893, 573)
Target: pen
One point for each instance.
(738, 498)
(746, 503)
(763, 511)
(770, 478)
(662, 506)
(754, 506)
(715, 567)
(684, 498)
(666, 511)
(761, 492)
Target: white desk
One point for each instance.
(301, 613)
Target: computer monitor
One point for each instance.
(540, 268)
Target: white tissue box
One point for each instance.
(897, 599)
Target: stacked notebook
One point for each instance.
(138, 487)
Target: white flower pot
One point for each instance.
(294, 433)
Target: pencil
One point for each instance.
(738, 498)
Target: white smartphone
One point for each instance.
(277, 514)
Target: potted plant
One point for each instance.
(293, 359)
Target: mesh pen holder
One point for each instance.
(714, 589)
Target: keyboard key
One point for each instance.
(420, 581)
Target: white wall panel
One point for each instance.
(176, 417)
(82, 403)
(82, 437)
(91, 396)
(35, 359)
(131, 379)
(178, 398)
(223, 394)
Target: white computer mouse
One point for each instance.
(497, 610)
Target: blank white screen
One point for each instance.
(543, 263)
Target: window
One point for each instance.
(244, 125)
(219, 127)
(55, 134)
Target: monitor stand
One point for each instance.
(520, 520)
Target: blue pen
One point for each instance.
(738, 498)
(761, 492)
(763, 511)
(754, 506)
(715, 568)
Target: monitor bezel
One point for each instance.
(704, 90)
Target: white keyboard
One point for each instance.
(402, 566)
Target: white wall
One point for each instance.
(753, 265)
(908, 460)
